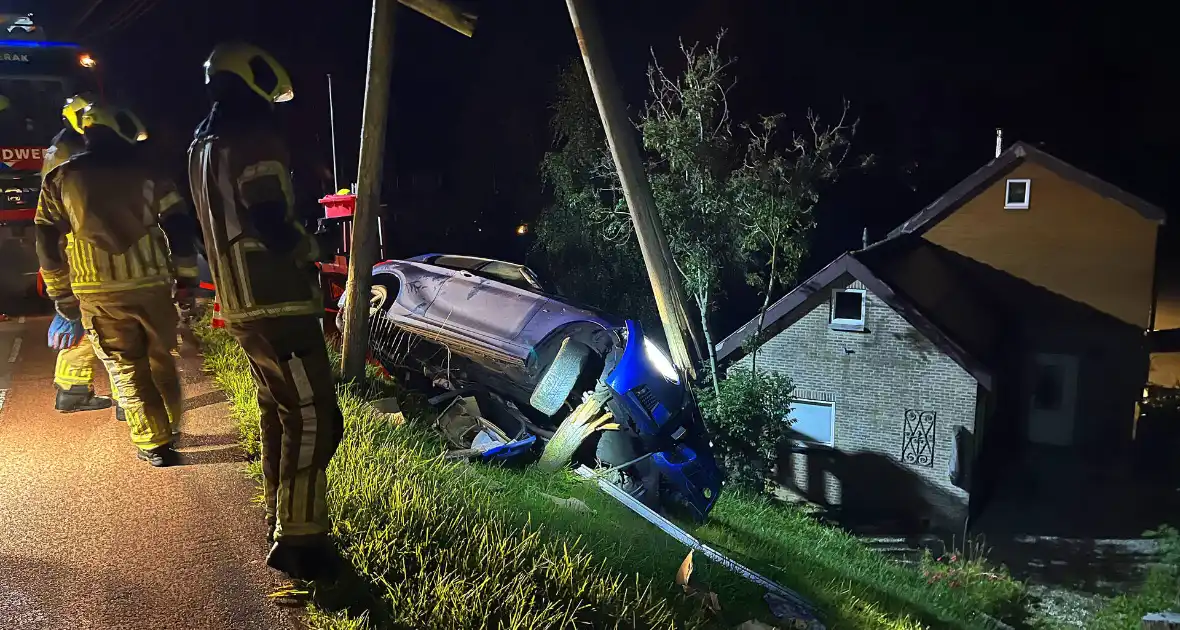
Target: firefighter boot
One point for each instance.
(80, 398)
(160, 456)
(119, 415)
(304, 558)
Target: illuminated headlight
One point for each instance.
(660, 361)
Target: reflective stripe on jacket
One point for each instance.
(99, 227)
(260, 257)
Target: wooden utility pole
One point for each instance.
(636, 189)
(363, 254)
(368, 194)
(446, 13)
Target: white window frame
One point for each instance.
(825, 403)
(1018, 205)
(848, 324)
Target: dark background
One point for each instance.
(929, 82)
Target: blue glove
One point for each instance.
(64, 333)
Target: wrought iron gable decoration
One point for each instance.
(917, 438)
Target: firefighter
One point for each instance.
(73, 375)
(103, 227)
(263, 263)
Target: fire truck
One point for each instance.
(36, 77)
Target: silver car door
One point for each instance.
(487, 310)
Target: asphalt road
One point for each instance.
(90, 537)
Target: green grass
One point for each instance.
(446, 545)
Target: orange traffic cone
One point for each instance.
(217, 322)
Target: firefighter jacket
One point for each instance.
(66, 144)
(261, 258)
(105, 224)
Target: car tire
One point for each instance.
(559, 378)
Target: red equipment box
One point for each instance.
(338, 206)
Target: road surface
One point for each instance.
(90, 537)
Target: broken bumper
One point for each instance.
(667, 421)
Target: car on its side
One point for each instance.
(470, 323)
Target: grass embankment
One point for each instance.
(436, 544)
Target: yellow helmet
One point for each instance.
(73, 108)
(253, 65)
(121, 120)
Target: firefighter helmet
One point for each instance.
(121, 120)
(256, 67)
(74, 106)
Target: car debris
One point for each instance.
(475, 436)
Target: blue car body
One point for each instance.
(668, 423)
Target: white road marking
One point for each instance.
(3, 396)
(15, 350)
(20, 320)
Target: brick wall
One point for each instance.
(873, 378)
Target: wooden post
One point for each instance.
(636, 189)
(365, 227)
(368, 198)
(449, 14)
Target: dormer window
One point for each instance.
(1016, 194)
(848, 309)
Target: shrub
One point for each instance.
(748, 422)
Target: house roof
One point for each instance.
(1016, 155)
(816, 290)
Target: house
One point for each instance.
(984, 361)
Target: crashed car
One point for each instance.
(469, 323)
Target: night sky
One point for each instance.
(929, 82)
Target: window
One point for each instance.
(1016, 194)
(458, 263)
(848, 309)
(1048, 391)
(814, 422)
(508, 273)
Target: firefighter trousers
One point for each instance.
(75, 366)
(301, 423)
(134, 334)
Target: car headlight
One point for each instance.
(660, 361)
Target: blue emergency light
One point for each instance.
(25, 43)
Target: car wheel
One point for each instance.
(559, 378)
